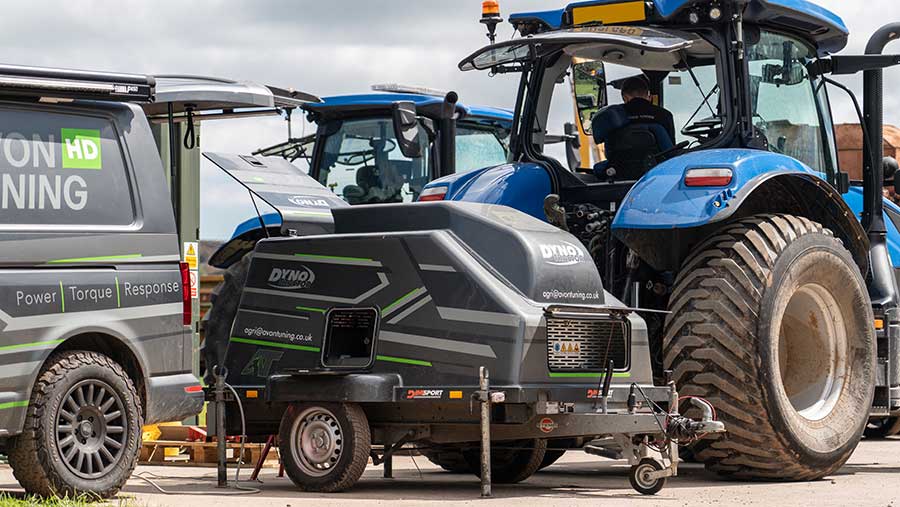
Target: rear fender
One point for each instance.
(662, 220)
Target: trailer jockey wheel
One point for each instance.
(324, 446)
(640, 480)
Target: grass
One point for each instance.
(8, 500)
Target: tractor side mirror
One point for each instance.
(589, 79)
(889, 167)
(406, 129)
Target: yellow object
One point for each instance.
(626, 12)
(150, 432)
(455, 395)
(879, 324)
(253, 394)
(490, 8)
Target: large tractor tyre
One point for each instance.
(449, 458)
(225, 299)
(551, 456)
(324, 446)
(511, 462)
(82, 429)
(770, 321)
(882, 427)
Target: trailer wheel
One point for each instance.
(551, 457)
(639, 478)
(82, 429)
(325, 446)
(882, 427)
(449, 458)
(511, 462)
(771, 322)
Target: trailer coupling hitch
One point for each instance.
(681, 428)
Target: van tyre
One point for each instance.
(771, 321)
(82, 429)
(225, 299)
(511, 462)
(324, 446)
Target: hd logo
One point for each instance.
(81, 149)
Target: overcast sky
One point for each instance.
(324, 47)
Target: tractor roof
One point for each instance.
(427, 105)
(823, 27)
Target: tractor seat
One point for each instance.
(632, 148)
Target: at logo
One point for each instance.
(81, 149)
(307, 202)
(261, 363)
(424, 394)
(290, 279)
(547, 425)
(561, 254)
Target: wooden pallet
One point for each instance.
(201, 453)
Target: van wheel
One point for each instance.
(511, 462)
(225, 299)
(771, 322)
(325, 446)
(82, 429)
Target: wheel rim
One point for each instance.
(812, 351)
(91, 429)
(316, 441)
(642, 476)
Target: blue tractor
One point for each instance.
(766, 277)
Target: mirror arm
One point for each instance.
(843, 65)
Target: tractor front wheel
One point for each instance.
(771, 322)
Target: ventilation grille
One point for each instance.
(586, 345)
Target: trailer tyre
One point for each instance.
(82, 429)
(511, 462)
(324, 446)
(771, 322)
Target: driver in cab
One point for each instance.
(636, 98)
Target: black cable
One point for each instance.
(190, 137)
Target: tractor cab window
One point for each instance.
(362, 163)
(783, 100)
(692, 96)
(478, 147)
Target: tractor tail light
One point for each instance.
(708, 177)
(433, 194)
(187, 304)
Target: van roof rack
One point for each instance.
(63, 85)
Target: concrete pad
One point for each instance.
(871, 477)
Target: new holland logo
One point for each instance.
(307, 202)
(424, 394)
(291, 279)
(561, 254)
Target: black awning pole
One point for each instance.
(174, 172)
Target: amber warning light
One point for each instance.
(490, 17)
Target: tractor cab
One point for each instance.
(355, 151)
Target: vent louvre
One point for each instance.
(587, 345)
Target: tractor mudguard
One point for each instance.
(661, 218)
(519, 186)
(854, 199)
(303, 206)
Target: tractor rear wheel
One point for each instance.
(511, 462)
(771, 321)
(450, 458)
(225, 299)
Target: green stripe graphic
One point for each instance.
(403, 360)
(310, 309)
(332, 257)
(587, 375)
(118, 295)
(264, 343)
(33, 344)
(13, 404)
(96, 259)
(62, 296)
(397, 302)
